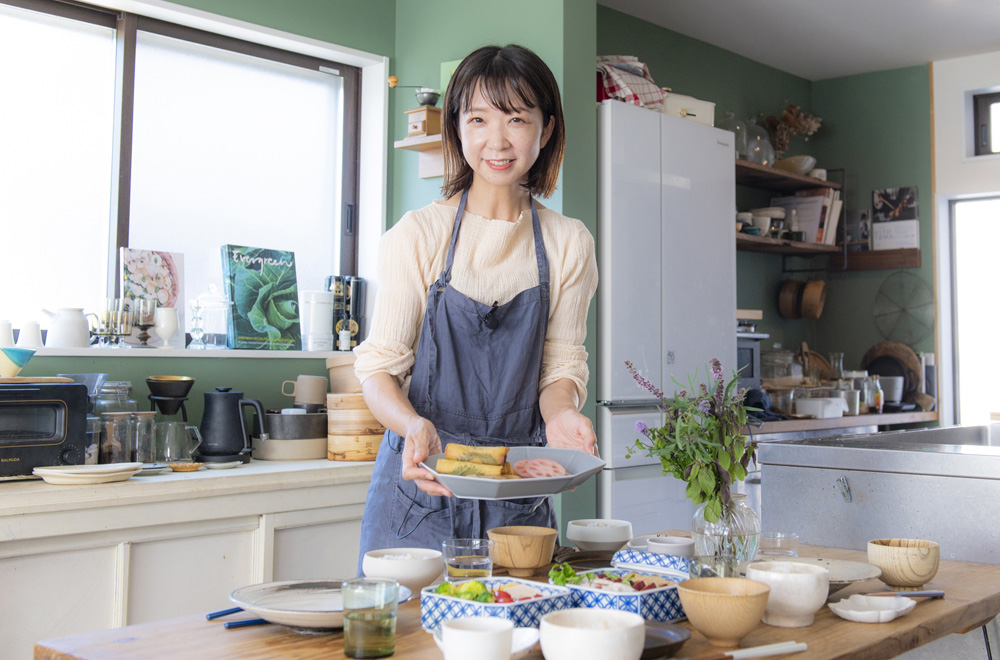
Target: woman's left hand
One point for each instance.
(569, 429)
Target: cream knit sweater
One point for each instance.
(494, 260)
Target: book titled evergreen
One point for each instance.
(262, 286)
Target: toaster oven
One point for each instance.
(41, 424)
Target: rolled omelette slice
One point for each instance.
(466, 468)
(469, 454)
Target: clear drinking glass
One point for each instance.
(143, 447)
(779, 544)
(370, 617)
(144, 316)
(115, 438)
(467, 558)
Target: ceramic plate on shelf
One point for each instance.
(307, 605)
(223, 466)
(103, 468)
(579, 466)
(149, 469)
(61, 478)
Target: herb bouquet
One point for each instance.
(701, 442)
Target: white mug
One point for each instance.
(308, 389)
(30, 335)
(6, 334)
(491, 638)
(677, 546)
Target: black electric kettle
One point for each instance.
(224, 428)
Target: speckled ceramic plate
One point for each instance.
(842, 572)
(308, 605)
(579, 465)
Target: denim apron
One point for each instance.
(475, 377)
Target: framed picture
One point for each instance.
(892, 204)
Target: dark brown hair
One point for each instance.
(510, 77)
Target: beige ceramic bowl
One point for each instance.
(599, 534)
(796, 164)
(414, 568)
(724, 610)
(907, 564)
(522, 549)
(592, 633)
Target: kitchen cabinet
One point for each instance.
(762, 177)
(109, 555)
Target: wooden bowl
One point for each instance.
(907, 564)
(790, 299)
(813, 299)
(724, 610)
(522, 549)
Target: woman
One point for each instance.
(480, 317)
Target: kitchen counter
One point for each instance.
(108, 555)
(846, 422)
(973, 598)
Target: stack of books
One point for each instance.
(817, 213)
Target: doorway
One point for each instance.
(975, 243)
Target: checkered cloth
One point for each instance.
(624, 77)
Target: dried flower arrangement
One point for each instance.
(792, 122)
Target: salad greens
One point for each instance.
(563, 574)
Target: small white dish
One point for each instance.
(103, 468)
(70, 479)
(228, 465)
(149, 469)
(873, 609)
(525, 639)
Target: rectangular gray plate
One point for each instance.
(580, 466)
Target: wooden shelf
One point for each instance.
(769, 178)
(750, 243)
(430, 157)
(847, 421)
(878, 259)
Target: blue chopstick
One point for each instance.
(245, 623)
(222, 613)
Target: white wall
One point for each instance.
(955, 173)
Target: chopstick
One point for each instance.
(245, 623)
(758, 651)
(221, 613)
(931, 593)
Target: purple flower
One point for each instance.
(643, 383)
(716, 369)
(641, 427)
(705, 407)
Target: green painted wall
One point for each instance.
(878, 126)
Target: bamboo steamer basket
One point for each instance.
(353, 433)
(341, 370)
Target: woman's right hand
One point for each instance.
(421, 441)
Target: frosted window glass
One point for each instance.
(977, 239)
(56, 132)
(229, 148)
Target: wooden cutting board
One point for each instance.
(35, 379)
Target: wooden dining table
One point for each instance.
(972, 598)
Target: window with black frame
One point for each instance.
(126, 131)
(986, 123)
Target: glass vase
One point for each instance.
(724, 548)
(759, 149)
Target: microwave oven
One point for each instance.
(41, 424)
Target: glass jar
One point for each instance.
(738, 128)
(115, 397)
(777, 364)
(724, 548)
(836, 365)
(759, 149)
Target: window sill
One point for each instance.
(182, 353)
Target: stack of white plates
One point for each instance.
(81, 475)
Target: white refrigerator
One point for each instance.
(666, 249)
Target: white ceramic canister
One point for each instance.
(6, 334)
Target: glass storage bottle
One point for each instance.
(759, 149)
(114, 397)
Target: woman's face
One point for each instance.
(501, 148)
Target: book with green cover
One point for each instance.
(262, 286)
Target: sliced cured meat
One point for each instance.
(533, 468)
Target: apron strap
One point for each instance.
(540, 256)
(446, 275)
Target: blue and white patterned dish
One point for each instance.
(662, 604)
(435, 608)
(652, 562)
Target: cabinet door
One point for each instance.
(317, 544)
(628, 249)
(699, 248)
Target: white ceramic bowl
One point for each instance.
(599, 535)
(773, 212)
(797, 591)
(592, 633)
(678, 546)
(796, 164)
(414, 568)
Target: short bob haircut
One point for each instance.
(511, 78)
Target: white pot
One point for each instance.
(69, 328)
(821, 407)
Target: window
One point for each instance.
(986, 120)
(130, 131)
